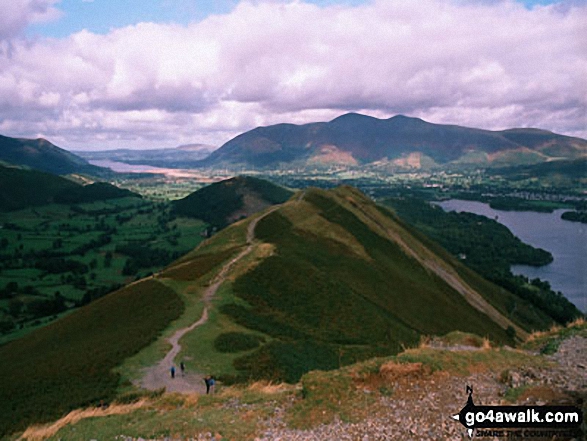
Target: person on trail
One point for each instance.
(207, 381)
(212, 382)
(172, 370)
(182, 368)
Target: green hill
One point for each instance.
(338, 279)
(28, 188)
(40, 154)
(224, 202)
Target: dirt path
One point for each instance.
(159, 376)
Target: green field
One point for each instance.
(56, 257)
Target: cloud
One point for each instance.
(16, 15)
(486, 64)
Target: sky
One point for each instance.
(103, 74)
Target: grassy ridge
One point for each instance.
(69, 363)
(319, 299)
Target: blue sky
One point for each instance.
(100, 16)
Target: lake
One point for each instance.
(123, 167)
(567, 241)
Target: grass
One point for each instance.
(547, 342)
(179, 417)
(353, 290)
(68, 364)
(198, 347)
(237, 412)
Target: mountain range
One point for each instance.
(400, 141)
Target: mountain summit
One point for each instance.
(402, 141)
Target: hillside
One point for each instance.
(29, 188)
(40, 154)
(399, 141)
(225, 202)
(334, 279)
(408, 397)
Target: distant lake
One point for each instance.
(123, 167)
(567, 241)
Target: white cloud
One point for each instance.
(491, 65)
(16, 15)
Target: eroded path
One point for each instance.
(159, 376)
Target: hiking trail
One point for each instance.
(159, 375)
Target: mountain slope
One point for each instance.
(40, 154)
(360, 139)
(224, 202)
(334, 279)
(28, 188)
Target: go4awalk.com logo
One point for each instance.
(520, 421)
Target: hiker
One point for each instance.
(182, 368)
(172, 371)
(207, 381)
(212, 382)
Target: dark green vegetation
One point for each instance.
(236, 342)
(575, 216)
(56, 257)
(561, 174)
(30, 188)
(324, 303)
(489, 248)
(227, 201)
(99, 191)
(69, 363)
(26, 188)
(366, 139)
(40, 154)
(518, 204)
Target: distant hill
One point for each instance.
(28, 188)
(399, 141)
(227, 201)
(40, 154)
(184, 156)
